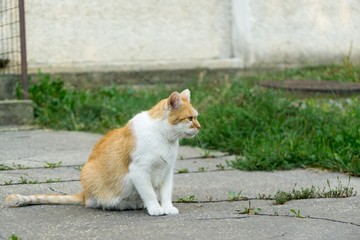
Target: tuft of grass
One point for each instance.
(296, 213)
(14, 237)
(79, 168)
(8, 182)
(235, 196)
(50, 180)
(4, 167)
(220, 166)
(339, 191)
(187, 199)
(52, 165)
(268, 129)
(183, 170)
(27, 181)
(202, 169)
(250, 210)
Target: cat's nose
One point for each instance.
(198, 126)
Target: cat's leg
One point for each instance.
(142, 183)
(166, 195)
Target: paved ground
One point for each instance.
(209, 179)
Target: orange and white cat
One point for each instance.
(132, 167)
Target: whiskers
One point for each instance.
(199, 141)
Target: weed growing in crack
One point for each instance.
(249, 210)
(183, 170)
(263, 196)
(202, 169)
(52, 165)
(187, 199)
(296, 213)
(79, 168)
(14, 237)
(209, 198)
(339, 191)
(8, 182)
(26, 181)
(220, 166)
(4, 167)
(50, 180)
(206, 153)
(235, 196)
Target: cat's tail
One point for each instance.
(17, 200)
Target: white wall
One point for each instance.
(67, 35)
(299, 32)
(126, 34)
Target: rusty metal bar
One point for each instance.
(24, 75)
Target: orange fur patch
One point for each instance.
(182, 113)
(158, 110)
(109, 162)
(176, 115)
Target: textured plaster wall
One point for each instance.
(298, 32)
(123, 35)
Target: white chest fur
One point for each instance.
(154, 154)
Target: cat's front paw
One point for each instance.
(170, 210)
(155, 211)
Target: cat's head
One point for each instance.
(178, 112)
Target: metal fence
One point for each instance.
(13, 65)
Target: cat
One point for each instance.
(132, 167)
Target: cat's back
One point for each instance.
(118, 142)
(121, 142)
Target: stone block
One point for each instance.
(16, 112)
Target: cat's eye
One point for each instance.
(190, 118)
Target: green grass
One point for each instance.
(272, 132)
(235, 196)
(4, 167)
(183, 170)
(187, 199)
(268, 129)
(52, 165)
(14, 237)
(340, 191)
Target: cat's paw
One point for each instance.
(170, 210)
(155, 211)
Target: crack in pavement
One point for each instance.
(273, 215)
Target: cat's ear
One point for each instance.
(185, 95)
(174, 101)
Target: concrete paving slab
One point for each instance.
(339, 209)
(196, 221)
(34, 148)
(39, 175)
(186, 152)
(216, 185)
(218, 219)
(203, 164)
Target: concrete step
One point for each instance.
(8, 86)
(16, 112)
